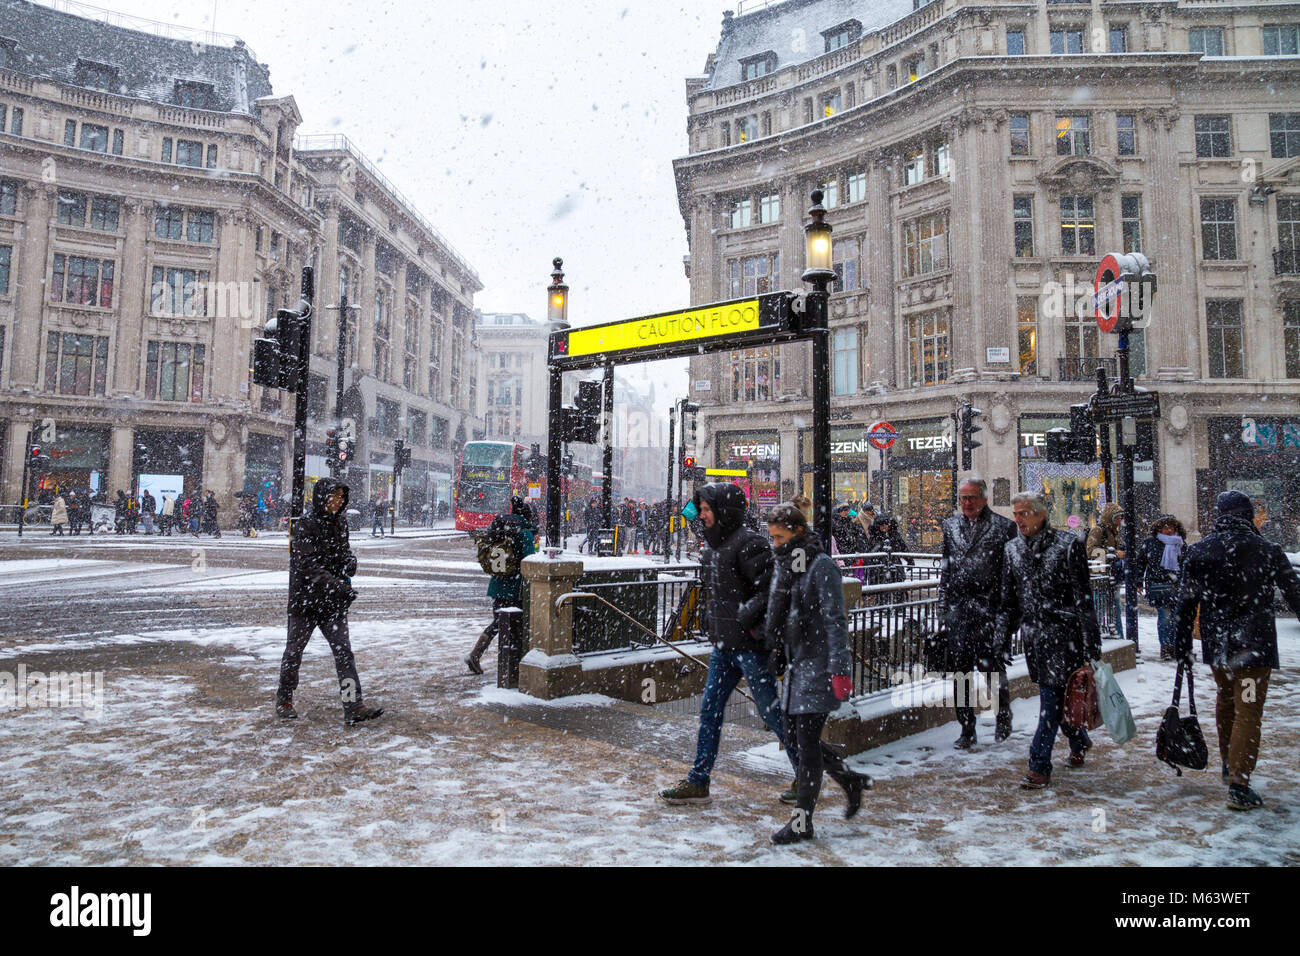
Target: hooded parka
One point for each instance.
(320, 560)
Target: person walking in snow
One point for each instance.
(517, 531)
(119, 513)
(1229, 576)
(59, 516)
(209, 511)
(1157, 566)
(321, 565)
(807, 639)
(148, 508)
(1047, 596)
(734, 570)
(168, 515)
(970, 593)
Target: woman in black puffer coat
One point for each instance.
(808, 635)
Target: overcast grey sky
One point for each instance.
(521, 129)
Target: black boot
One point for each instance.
(473, 657)
(1003, 730)
(799, 828)
(853, 784)
(967, 739)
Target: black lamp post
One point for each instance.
(819, 274)
(557, 315)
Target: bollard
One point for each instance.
(510, 645)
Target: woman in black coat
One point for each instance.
(808, 633)
(1159, 562)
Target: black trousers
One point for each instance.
(803, 734)
(336, 633)
(965, 690)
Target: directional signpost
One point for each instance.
(1123, 292)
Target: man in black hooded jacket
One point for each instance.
(735, 570)
(321, 566)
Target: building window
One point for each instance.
(179, 292)
(1126, 134)
(82, 281)
(755, 375)
(842, 35)
(914, 68)
(417, 427)
(1282, 40)
(913, 166)
(189, 153)
(928, 348)
(388, 416)
(746, 128)
(751, 68)
(1291, 336)
(69, 132)
(104, 213)
(1022, 211)
(1065, 41)
(200, 226)
(1027, 334)
(72, 208)
(383, 317)
(1288, 234)
(198, 96)
(167, 149)
(726, 133)
(1218, 228)
(1130, 221)
(857, 187)
(94, 137)
(1078, 226)
(844, 362)
(1080, 347)
(1019, 125)
(118, 140)
(925, 244)
(845, 255)
(8, 197)
(16, 121)
(891, 76)
(1224, 338)
(174, 372)
(830, 193)
(1118, 39)
(212, 164)
(168, 222)
(1205, 40)
(769, 208)
(830, 103)
(754, 275)
(1284, 134)
(1072, 137)
(6, 257)
(76, 364)
(411, 351)
(1016, 42)
(742, 213)
(1213, 137)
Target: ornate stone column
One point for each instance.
(29, 301)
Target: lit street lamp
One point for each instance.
(819, 274)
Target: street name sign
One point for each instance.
(1143, 405)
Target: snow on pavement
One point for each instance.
(188, 765)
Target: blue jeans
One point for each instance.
(726, 668)
(1165, 626)
(1051, 705)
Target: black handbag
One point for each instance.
(1179, 741)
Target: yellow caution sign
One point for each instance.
(705, 323)
(726, 472)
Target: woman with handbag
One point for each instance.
(1160, 560)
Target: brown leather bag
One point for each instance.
(1082, 709)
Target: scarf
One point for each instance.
(1173, 547)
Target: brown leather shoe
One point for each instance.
(1076, 758)
(1035, 781)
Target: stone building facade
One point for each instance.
(153, 213)
(978, 159)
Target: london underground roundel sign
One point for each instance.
(1108, 293)
(882, 435)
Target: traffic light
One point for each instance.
(582, 424)
(1078, 442)
(401, 455)
(968, 429)
(690, 424)
(281, 356)
(331, 443)
(534, 463)
(567, 463)
(688, 462)
(347, 448)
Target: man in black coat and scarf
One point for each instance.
(1047, 596)
(970, 594)
(735, 570)
(321, 565)
(1230, 575)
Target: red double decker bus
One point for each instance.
(491, 472)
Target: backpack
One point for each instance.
(1179, 741)
(498, 551)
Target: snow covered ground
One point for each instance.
(187, 764)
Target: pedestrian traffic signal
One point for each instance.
(690, 424)
(347, 448)
(967, 415)
(688, 462)
(331, 443)
(1078, 442)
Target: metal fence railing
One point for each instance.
(637, 607)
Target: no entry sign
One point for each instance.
(882, 435)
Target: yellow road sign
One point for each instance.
(726, 472)
(704, 323)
